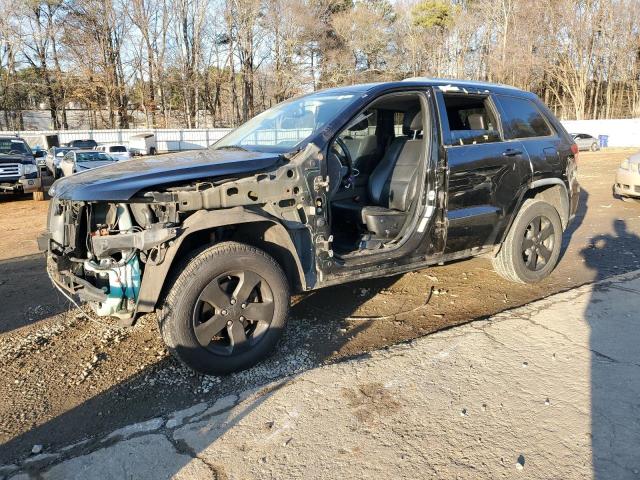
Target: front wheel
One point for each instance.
(532, 248)
(594, 147)
(226, 310)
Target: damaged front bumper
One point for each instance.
(101, 263)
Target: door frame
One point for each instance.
(424, 239)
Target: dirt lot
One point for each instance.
(64, 377)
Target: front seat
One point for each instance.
(392, 184)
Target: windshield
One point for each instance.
(284, 126)
(13, 146)
(92, 157)
(63, 151)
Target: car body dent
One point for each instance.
(212, 189)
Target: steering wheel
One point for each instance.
(345, 160)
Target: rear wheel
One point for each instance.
(226, 310)
(532, 248)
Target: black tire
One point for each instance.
(532, 248)
(594, 147)
(189, 318)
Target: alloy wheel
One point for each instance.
(233, 312)
(538, 243)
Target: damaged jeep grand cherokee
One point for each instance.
(335, 186)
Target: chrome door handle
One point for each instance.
(511, 152)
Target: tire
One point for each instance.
(38, 196)
(594, 147)
(520, 264)
(204, 326)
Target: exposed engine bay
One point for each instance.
(100, 250)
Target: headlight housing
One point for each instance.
(29, 168)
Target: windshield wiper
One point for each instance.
(232, 147)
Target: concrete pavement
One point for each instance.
(548, 390)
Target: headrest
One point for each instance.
(363, 125)
(412, 121)
(476, 121)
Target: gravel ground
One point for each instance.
(66, 376)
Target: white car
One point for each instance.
(586, 142)
(119, 152)
(628, 177)
(80, 160)
(53, 159)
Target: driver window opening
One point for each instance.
(374, 168)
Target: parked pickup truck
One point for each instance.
(335, 186)
(18, 169)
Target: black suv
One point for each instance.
(84, 144)
(335, 186)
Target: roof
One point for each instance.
(451, 84)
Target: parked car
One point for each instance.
(119, 152)
(53, 159)
(76, 161)
(143, 144)
(87, 144)
(18, 167)
(628, 178)
(586, 142)
(339, 185)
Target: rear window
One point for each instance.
(522, 118)
(84, 144)
(118, 149)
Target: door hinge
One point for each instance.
(325, 244)
(320, 183)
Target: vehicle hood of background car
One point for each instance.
(15, 158)
(122, 180)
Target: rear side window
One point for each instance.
(522, 119)
(117, 149)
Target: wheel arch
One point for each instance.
(202, 229)
(551, 190)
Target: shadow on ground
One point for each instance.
(615, 361)
(27, 293)
(104, 412)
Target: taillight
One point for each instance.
(575, 150)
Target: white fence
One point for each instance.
(169, 140)
(621, 133)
